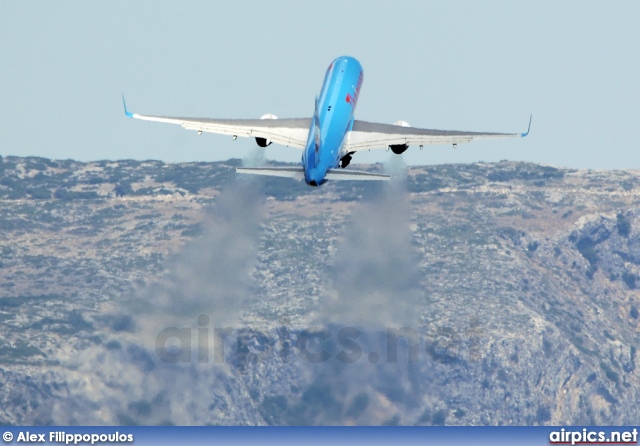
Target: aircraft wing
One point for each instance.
(288, 132)
(368, 135)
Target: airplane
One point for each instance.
(332, 136)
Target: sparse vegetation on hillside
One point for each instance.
(527, 283)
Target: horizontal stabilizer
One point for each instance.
(298, 173)
(341, 174)
(286, 172)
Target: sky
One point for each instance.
(454, 65)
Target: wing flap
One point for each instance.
(368, 135)
(288, 132)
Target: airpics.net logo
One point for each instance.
(588, 436)
(315, 345)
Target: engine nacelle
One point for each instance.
(400, 148)
(345, 160)
(264, 142)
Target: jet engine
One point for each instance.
(264, 142)
(400, 148)
(345, 160)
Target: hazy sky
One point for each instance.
(451, 65)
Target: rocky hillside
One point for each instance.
(149, 293)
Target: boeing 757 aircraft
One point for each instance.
(331, 137)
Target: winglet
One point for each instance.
(522, 135)
(126, 112)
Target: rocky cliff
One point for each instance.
(139, 292)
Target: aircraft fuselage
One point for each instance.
(333, 119)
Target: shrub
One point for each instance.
(274, 410)
(123, 189)
(439, 418)
(358, 405)
(39, 193)
(629, 279)
(623, 225)
(587, 248)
